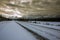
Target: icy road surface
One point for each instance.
(10, 30)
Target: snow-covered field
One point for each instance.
(14, 30)
(47, 31)
(47, 23)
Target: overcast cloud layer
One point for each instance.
(29, 8)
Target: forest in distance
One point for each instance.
(37, 19)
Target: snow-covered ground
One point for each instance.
(10, 30)
(54, 26)
(47, 23)
(48, 31)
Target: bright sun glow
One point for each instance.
(11, 13)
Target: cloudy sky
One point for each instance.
(29, 8)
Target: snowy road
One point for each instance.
(10, 30)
